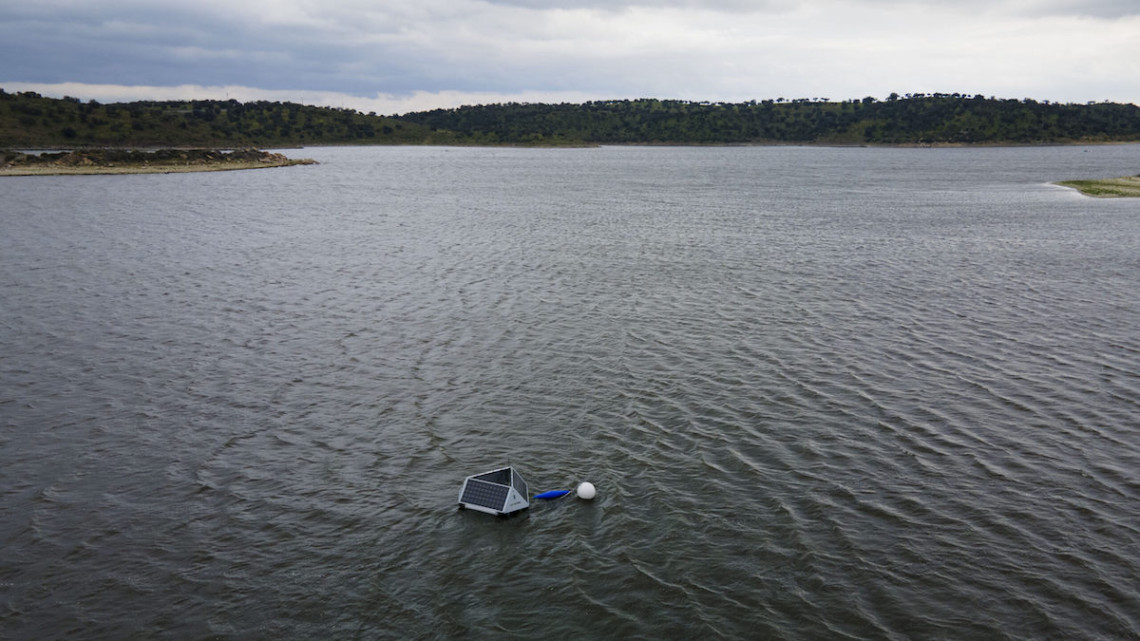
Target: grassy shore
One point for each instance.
(163, 161)
(1123, 187)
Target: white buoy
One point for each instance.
(586, 491)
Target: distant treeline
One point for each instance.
(30, 120)
(913, 119)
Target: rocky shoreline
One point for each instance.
(134, 161)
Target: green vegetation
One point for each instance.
(30, 120)
(921, 119)
(1126, 186)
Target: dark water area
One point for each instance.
(823, 394)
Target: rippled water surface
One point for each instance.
(823, 393)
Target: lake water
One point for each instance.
(823, 394)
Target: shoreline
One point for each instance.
(124, 170)
(120, 162)
(1122, 187)
(596, 144)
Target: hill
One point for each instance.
(915, 119)
(28, 120)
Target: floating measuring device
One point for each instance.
(504, 491)
(501, 492)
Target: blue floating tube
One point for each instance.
(552, 494)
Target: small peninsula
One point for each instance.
(133, 161)
(1123, 187)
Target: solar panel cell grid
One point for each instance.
(485, 494)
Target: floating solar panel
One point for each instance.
(500, 492)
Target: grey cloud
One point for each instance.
(755, 49)
(734, 6)
(1092, 8)
(1108, 9)
(170, 45)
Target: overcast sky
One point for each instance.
(396, 56)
